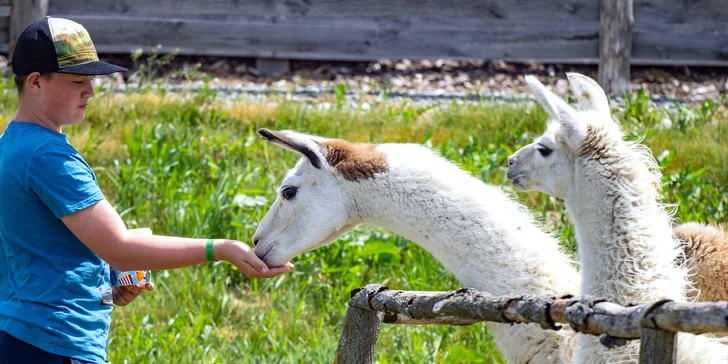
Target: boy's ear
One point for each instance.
(32, 82)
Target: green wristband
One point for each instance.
(210, 250)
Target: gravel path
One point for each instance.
(423, 80)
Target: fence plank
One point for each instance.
(4, 24)
(680, 11)
(22, 14)
(524, 10)
(358, 336)
(615, 45)
(670, 30)
(701, 43)
(657, 347)
(338, 39)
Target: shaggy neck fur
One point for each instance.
(626, 245)
(487, 240)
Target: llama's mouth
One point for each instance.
(518, 183)
(512, 174)
(261, 253)
(517, 179)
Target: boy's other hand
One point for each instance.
(123, 295)
(242, 256)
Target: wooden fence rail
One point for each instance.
(611, 33)
(656, 324)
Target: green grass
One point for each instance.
(195, 167)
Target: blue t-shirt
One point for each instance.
(50, 282)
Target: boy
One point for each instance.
(57, 231)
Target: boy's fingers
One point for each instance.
(251, 272)
(135, 290)
(256, 263)
(278, 270)
(247, 269)
(125, 293)
(149, 286)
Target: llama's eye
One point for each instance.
(289, 193)
(544, 151)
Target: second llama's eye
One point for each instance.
(289, 193)
(543, 150)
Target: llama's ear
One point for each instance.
(559, 110)
(307, 145)
(547, 99)
(590, 95)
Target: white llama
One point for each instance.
(610, 188)
(486, 239)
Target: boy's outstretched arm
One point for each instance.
(101, 229)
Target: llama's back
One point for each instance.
(706, 255)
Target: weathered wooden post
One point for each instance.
(4, 24)
(22, 14)
(361, 329)
(615, 45)
(656, 346)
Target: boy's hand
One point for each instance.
(123, 295)
(243, 257)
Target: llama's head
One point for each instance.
(548, 164)
(315, 203)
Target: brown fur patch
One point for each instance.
(595, 145)
(355, 161)
(600, 146)
(706, 248)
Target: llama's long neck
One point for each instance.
(486, 240)
(626, 244)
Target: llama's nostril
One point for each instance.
(511, 160)
(255, 241)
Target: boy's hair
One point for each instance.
(20, 80)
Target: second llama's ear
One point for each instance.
(591, 96)
(559, 110)
(307, 145)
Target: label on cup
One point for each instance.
(134, 277)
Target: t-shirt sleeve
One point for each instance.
(62, 179)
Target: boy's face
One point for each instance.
(64, 97)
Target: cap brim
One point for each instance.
(93, 68)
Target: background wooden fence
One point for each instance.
(674, 32)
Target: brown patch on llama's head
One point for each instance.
(355, 161)
(600, 146)
(618, 159)
(597, 144)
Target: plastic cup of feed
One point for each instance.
(134, 277)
